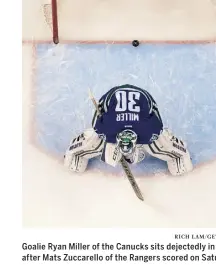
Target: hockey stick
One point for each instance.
(94, 102)
(131, 178)
(123, 162)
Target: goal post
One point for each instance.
(50, 10)
(55, 21)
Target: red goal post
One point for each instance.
(50, 10)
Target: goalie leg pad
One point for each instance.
(169, 148)
(78, 164)
(81, 149)
(180, 166)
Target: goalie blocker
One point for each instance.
(167, 147)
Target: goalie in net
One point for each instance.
(129, 125)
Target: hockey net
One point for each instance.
(50, 11)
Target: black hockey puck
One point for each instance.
(135, 43)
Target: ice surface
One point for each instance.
(181, 78)
(181, 75)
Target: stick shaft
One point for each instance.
(131, 178)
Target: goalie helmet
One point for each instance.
(126, 141)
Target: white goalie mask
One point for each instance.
(126, 141)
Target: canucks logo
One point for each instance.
(154, 137)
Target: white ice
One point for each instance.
(54, 197)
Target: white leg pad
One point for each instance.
(169, 148)
(78, 165)
(180, 166)
(81, 149)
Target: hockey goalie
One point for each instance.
(127, 123)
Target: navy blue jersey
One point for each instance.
(128, 107)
